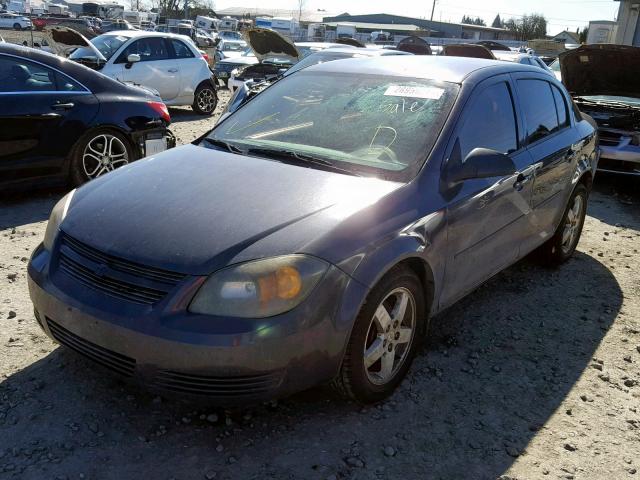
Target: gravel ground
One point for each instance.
(534, 375)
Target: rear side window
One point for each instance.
(149, 49)
(18, 75)
(180, 49)
(539, 108)
(491, 122)
(561, 107)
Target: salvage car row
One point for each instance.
(312, 233)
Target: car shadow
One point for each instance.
(624, 190)
(495, 368)
(25, 207)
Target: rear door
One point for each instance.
(156, 68)
(43, 114)
(549, 139)
(487, 218)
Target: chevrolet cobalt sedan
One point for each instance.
(310, 236)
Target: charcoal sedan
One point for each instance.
(310, 236)
(63, 122)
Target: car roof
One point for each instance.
(441, 68)
(322, 45)
(367, 51)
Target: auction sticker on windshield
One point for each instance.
(431, 93)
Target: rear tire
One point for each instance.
(98, 152)
(384, 339)
(559, 248)
(205, 100)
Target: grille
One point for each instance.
(226, 67)
(114, 276)
(610, 139)
(218, 386)
(115, 362)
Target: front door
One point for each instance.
(487, 218)
(156, 69)
(43, 112)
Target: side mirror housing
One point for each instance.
(132, 58)
(482, 163)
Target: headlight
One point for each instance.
(261, 288)
(55, 219)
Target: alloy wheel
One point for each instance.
(206, 100)
(104, 153)
(572, 224)
(390, 336)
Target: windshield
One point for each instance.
(367, 124)
(555, 66)
(234, 47)
(106, 44)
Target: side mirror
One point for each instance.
(482, 163)
(131, 59)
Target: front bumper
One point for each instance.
(618, 154)
(225, 360)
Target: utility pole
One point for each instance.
(433, 8)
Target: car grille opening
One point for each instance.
(115, 276)
(609, 138)
(237, 386)
(115, 362)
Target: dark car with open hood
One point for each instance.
(63, 122)
(604, 83)
(310, 236)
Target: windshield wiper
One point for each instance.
(222, 144)
(291, 156)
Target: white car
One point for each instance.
(168, 63)
(523, 58)
(15, 21)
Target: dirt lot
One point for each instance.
(535, 375)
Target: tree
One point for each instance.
(472, 21)
(301, 5)
(583, 34)
(528, 27)
(497, 22)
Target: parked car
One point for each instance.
(229, 35)
(60, 121)
(230, 49)
(82, 25)
(115, 26)
(523, 58)
(166, 62)
(251, 87)
(15, 21)
(470, 50)
(275, 54)
(311, 235)
(603, 80)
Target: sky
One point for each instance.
(560, 14)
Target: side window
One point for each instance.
(491, 123)
(525, 61)
(149, 49)
(539, 108)
(180, 49)
(561, 107)
(17, 75)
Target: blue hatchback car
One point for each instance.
(310, 236)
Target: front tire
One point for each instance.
(17, 26)
(99, 152)
(559, 248)
(384, 339)
(205, 100)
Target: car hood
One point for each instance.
(63, 40)
(194, 210)
(267, 43)
(601, 70)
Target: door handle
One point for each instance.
(62, 106)
(172, 70)
(521, 180)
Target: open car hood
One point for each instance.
(602, 70)
(63, 40)
(267, 44)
